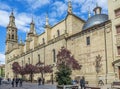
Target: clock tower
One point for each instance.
(11, 36)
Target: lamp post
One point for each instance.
(52, 80)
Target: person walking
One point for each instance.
(39, 81)
(17, 81)
(20, 82)
(43, 81)
(13, 80)
(82, 83)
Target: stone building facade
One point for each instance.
(98, 37)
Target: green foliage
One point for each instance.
(63, 75)
(65, 64)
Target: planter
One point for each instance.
(67, 87)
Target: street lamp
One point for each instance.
(52, 80)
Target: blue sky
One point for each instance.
(24, 10)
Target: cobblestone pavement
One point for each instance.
(28, 86)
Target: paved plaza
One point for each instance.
(28, 86)
(35, 86)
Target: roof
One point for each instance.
(95, 20)
(66, 18)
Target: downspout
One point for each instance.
(106, 54)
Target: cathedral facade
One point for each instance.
(96, 38)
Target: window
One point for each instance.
(118, 49)
(12, 36)
(58, 32)
(38, 57)
(118, 29)
(54, 55)
(117, 12)
(43, 40)
(88, 40)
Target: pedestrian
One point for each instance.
(0, 80)
(13, 80)
(8, 79)
(17, 81)
(43, 81)
(20, 82)
(82, 83)
(39, 81)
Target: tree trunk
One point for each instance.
(42, 75)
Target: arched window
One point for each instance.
(12, 36)
(54, 54)
(28, 60)
(38, 57)
(43, 40)
(58, 32)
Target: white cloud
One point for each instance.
(2, 58)
(35, 4)
(4, 6)
(57, 10)
(91, 4)
(61, 8)
(4, 18)
(22, 20)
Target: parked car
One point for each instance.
(5, 81)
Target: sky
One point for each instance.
(24, 10)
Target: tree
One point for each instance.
(22, 71)
(30, 69)
(65, 63)
(42, 68)
(16, 68)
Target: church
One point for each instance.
(96, 38)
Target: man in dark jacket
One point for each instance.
(13, 80)
(82, 83)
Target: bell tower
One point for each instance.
(11, 36)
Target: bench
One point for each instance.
(115, 85)
(92, 87)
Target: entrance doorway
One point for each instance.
(119, 71)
